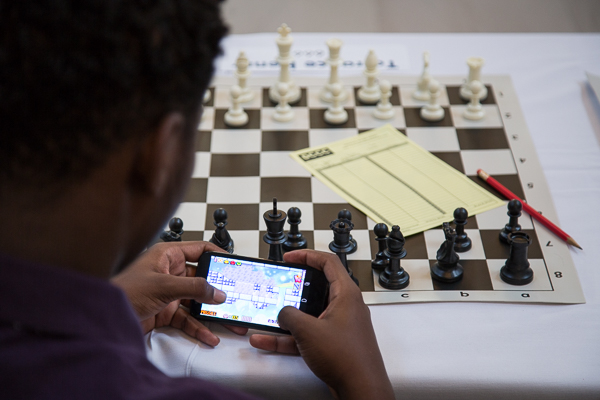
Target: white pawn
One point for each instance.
(336, 114)
(236, 116)
(370, 93)
(206, 97)
(433, 112)
(242, 75)
(422, 92)
(384, 109)
(283, 111)
(474, 110)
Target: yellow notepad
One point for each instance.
(393, 180)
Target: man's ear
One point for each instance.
(157, 155)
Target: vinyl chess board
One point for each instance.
(243, 169)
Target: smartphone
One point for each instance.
(258, 289)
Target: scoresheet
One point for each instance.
(394, 180)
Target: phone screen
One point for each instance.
(258, 289)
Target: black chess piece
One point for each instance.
(346, 214)
(275, 221)
(295, 239)
(514, 212)
(341, 245)
(447, 269)
(517, 271)
(394, 276)
(381, 260)
(463, 241)
(175, 231)
(221, 236)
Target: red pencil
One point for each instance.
(530, 210)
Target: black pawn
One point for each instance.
(381, 260)
(275, 221)
(394, 276)
(295, 239)
(447, 269)
(221, 236)
(346, 214)
(175, 231)
(514, 212)
(341, 245)
(517, 271)
(463, 242)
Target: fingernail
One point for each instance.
(219, 296)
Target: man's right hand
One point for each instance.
(340, 346)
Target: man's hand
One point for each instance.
(340, 346)
(159, 279)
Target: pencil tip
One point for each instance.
(572, 242)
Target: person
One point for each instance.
(99, 103)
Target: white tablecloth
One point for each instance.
(451, 351)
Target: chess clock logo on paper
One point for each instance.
(314, 154)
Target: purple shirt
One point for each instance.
(64, 335)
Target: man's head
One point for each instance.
(82, 81)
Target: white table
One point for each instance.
(450, 350)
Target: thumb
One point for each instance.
(182, 287)
(295, 321)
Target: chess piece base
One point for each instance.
(369, 95)
(336, 117)
(384, 113)
(432, 115)
(518, 278)
(394, 281)
(236, 119)
(293, 95)
(446, 275)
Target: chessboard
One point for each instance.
(243, 169)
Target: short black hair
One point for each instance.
(80, 77)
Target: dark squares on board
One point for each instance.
(482, 138)
(496, 250)
(284, 140)
(285, 189)
(235, 165)
(196, 192)
(203, 139)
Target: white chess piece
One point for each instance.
(370, 93)
(384, 109)
(336, 114)
(433, 111)
(284, 43)
(236, 116)
(206, 97)
(422, 92)
(334, 61)
(475, 64)
(242, 75)
(474, 110)
(283, 111)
